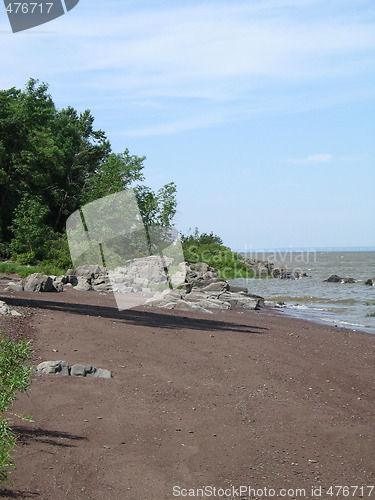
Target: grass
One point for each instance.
(25, 270)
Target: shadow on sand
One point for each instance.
(136, 316)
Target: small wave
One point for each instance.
(310, 298)
(342, 322)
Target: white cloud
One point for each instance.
(317, 158)
(234, 60)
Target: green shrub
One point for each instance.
(15, 376)
(209, 248)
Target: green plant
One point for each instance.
(372, 315)
(209, 248)
(15, 376)
(25, 270)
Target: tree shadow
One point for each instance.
(136, 316)
(27, 434)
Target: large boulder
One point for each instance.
(38, 282)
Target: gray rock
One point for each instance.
(83, 284)
(201, 267)
(238, 289)
(101, 373)
(219, 286)
(39, 283)
(5, 309)
(211, 303)
(334, 279)
(77, 370)
(14, 286)
(370, 282)
(183, 305)
(89, 271)
(56, 367)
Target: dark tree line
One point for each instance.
(53, 161)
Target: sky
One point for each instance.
(261, 111)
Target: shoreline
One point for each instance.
(234, 398)
(310, 314)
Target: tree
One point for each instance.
(54, 161)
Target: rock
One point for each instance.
(69, 279)
(238, 289)
(334, 279)
(101, 373)
(201, 267)
(183, 305)
(14, 286)
(80, 370)
(77, 370)
(56, 367)
(83, 284)
(211, 303)
(5, 309)
(89, 271)
(219, 286)
(370, 282)
(38, 282)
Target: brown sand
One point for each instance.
(229, 399)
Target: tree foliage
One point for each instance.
(51, 163)
(209, 248)
(15, 376)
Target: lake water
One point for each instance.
(348, 304)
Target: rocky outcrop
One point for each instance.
(204, 291)
(336, 279)
(195, 287)
(77, 370)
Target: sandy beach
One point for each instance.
(236, 398)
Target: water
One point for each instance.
(348, 304)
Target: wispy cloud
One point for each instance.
(212, 54)
(317, 158)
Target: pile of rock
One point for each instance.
(194, 287)
(77, 370)
(202, 290)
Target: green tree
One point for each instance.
(31, 234)
(58, 159)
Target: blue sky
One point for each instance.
(261, 111)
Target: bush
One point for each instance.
(15, 376)
(209, 248)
